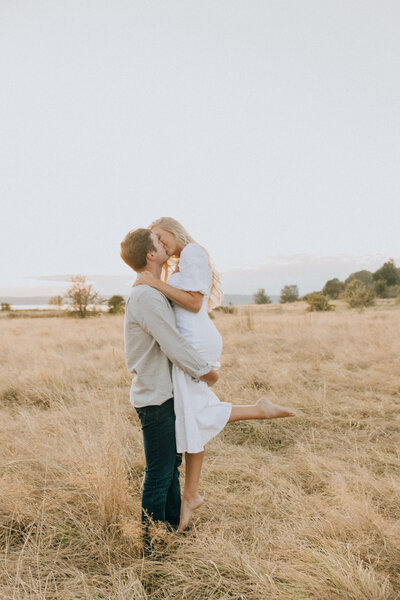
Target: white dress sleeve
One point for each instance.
(194, 273)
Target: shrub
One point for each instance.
(358, 295)
(116, 304)
(5, 306)
(306, 297)
(397, 299)
(381, 288)
(289, 293)
(364, 276)
(318, 302)
(260, 297)
(228, 309)
(393, 291)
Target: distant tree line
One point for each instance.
(359, 289)
(289, 293)
(363, 287)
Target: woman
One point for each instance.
(194, 288)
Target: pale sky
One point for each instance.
(269, 128)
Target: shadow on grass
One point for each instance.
(271, 436)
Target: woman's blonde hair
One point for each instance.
(183, 238)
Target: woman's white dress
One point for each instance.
(200, 415)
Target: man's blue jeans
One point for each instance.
(161, 498)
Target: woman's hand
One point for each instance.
(210, 378)
(146, 278)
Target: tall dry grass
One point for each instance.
(305, 508)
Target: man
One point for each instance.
(152, 343)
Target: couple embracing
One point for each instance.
(173, 347)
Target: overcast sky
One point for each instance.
(269, 128)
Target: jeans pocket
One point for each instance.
(141, 413)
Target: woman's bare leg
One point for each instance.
(263, 409)
(190, 497)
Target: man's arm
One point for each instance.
(157, 319)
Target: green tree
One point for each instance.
(358, 295)
(116, 304)
(289, 293)
(260, 297)
(318, 302)
(381, 288)
(364, 276)
(333, 288)
(82, 296)
(388, 273)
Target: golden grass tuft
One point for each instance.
(305, 508)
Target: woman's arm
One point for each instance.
(192, 301)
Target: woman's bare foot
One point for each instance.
(187, 507)
(269, 410)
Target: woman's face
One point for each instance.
(168, 241)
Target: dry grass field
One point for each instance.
(304, 508)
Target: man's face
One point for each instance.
(167, 239)
(161, 253)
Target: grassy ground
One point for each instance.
(305, 508)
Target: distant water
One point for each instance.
(36, 307)
(48, 307)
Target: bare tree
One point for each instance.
(56, 301)
(82, 295)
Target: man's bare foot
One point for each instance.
(187, 507)
(269, 410)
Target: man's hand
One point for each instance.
(146, 278)
(210, 378)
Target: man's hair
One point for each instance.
(135, 246)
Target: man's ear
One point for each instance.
(150, 256)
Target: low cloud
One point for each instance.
(309, 272)
(53, 285)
